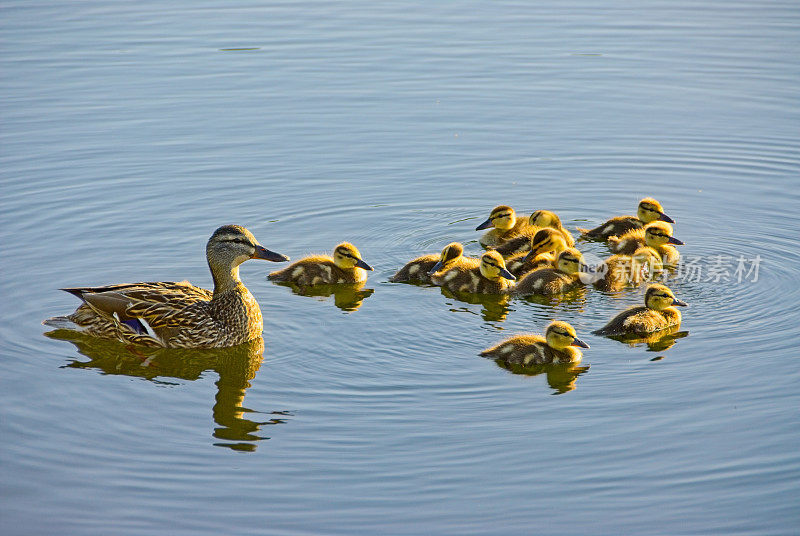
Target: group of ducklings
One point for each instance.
(536, 256)
(526, 256)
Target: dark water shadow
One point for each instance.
(561, 378)
(347, 297)
(236, 368)
(494, 307)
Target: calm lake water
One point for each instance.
(131, 130)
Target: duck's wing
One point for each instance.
(617, 324)
(147, 309)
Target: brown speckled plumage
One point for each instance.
(178, 315)
(557, 346)
(657, 314)
(649, 210)
(325, 270)
(475, 279)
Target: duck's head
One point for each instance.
(659, 233)
(231, 245)
(561, 335)
(569, 261)
(493, 267)
(651, 210)
(659, 297)
(450, 253)
(545, 241)
(545, 218)
(502, 217)
(347, 257)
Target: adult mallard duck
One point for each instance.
(421, 268)
(557, 346)
(504, 224)
(658, 313)
(179, 315)
(545, 245)
(548, 281)
(489, 277)
(649, 210)
(346, 266)
(656, 235)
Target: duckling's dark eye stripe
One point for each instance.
(495, 216)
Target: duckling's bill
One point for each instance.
(578, 342)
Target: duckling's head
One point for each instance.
(347, 257)
(450, 253)
(569, 261)
(545, 218)
(647, 256)
(493, 267)
(560, 335)
(659, 297)
(651, 210)
(659, 233)
(546, 240)
(502, 217)
(231, 245)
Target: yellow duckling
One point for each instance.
(178, 315)
(421, 268)
(489, 277)
(557, 346)
(346, 266)
(649, 210)
(658, 313)
(623, 270)
(657, 235)
(548, 281)
(545, 245)
(540, 219)
(505, 225)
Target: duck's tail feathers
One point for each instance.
(61, 322)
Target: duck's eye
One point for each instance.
(500, 216)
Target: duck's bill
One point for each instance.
(508, 275)
(484, 225)
(364, 265)
(664, 217)
(680, 303)
(436, 268)
(673, 240)
(267, 255)
(578, 342)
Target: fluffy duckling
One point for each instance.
(548, 281)
(489, 277)
(421, 268)
(658, 313)
(557, 346)
(623, 270)
(346, 266)
(649, 210)
(540, 219)
(657, 235)
(504, 225)
(545, 245)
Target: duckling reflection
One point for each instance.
(494, 307)
(346, 296)
(561, 378)
(236, 367)
(658, 341)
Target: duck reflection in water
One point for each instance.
(561, 377)
(235, 366)
(346, 296)
(656, 342)
(494, 307)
